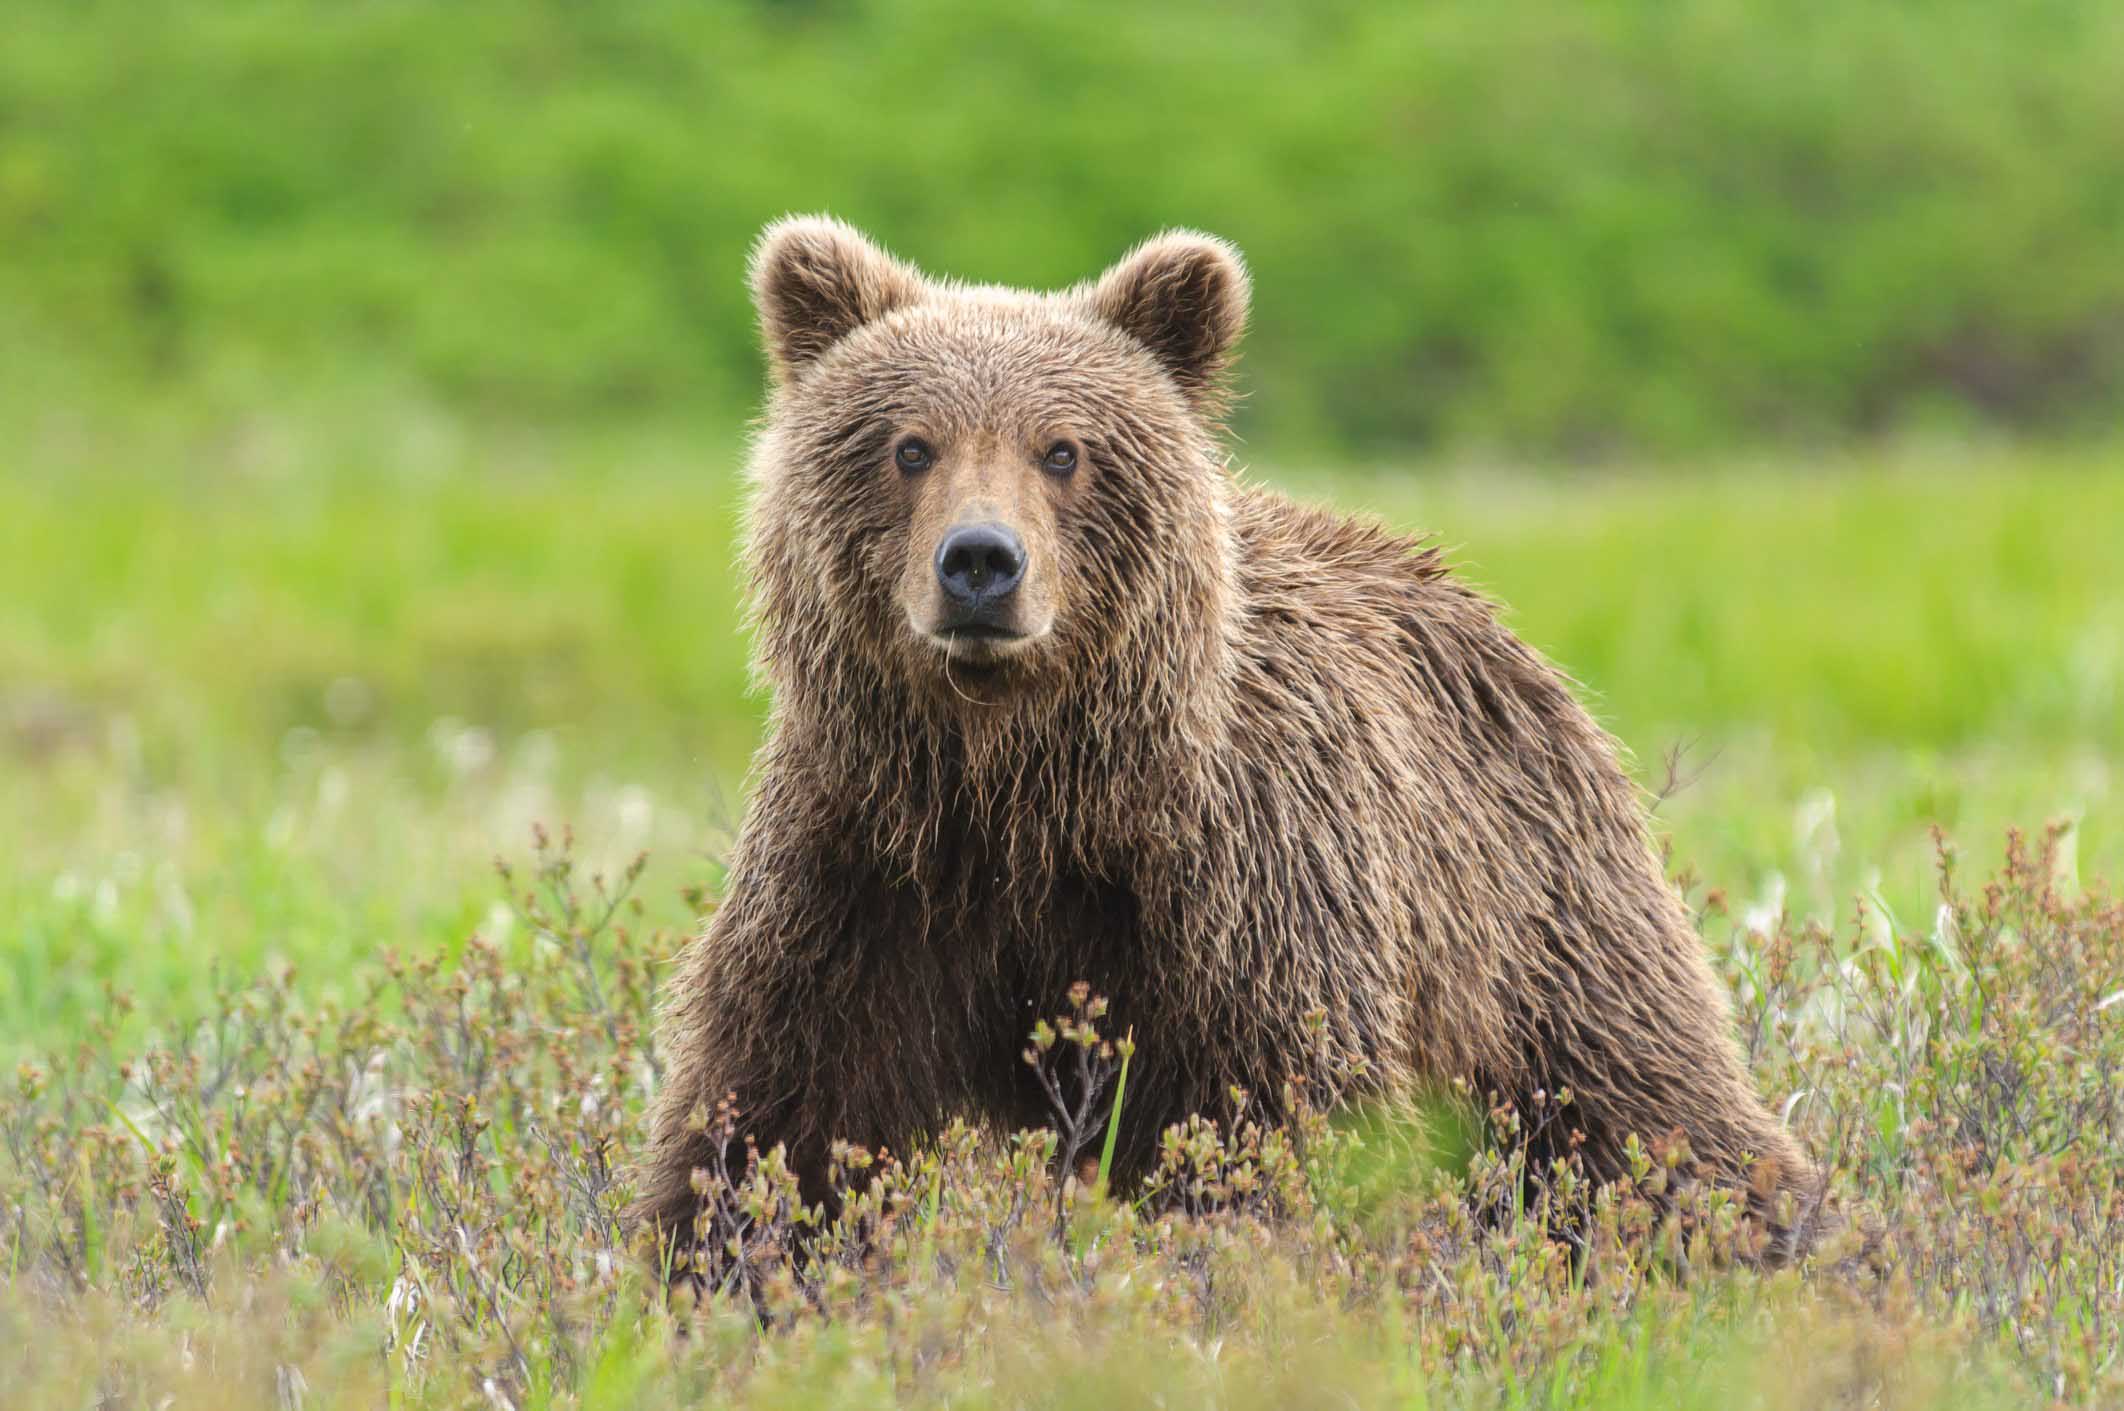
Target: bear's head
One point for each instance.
(979, 496)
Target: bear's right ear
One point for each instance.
(815, 281)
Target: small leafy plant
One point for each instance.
(414, 1197)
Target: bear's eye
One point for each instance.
(1061, 459)
(914, 455)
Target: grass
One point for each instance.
(412, 1200)
(255, 717)
(310, 1110)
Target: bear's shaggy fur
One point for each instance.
(1249, 760)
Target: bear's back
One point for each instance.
(1430, 773)
(1349, 624)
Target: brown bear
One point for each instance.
(1057, 696)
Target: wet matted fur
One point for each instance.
(1248, 762)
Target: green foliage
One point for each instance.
(1510, 223)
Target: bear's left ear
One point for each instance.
(1183, 296)
(815, 281)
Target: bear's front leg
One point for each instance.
(729, 1094)
(811, 1010)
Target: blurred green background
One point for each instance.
(373, 379)
(1548, 229)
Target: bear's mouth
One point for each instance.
(984, 642)
(979, 649)
(980, 645)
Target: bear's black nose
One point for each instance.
(979, 564)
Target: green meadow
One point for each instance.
(375, 711)
(265, 719)
(313, 1108)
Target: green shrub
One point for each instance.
(1576, 229)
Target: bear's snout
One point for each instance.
(979, 566)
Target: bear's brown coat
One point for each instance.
(1268, 761)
